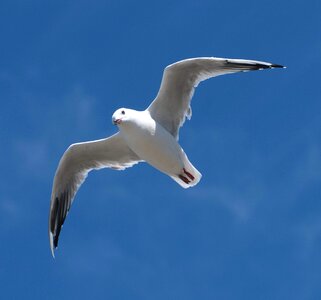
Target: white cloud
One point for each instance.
(79, 105)
(10, 213)
(102, 252)
(308, 169)
(239, 202)
(308, 234)
(57, 126)
(32, 156)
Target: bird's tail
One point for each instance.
(189, 175)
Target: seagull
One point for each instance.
(144, 136)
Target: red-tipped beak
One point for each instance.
(117, 121)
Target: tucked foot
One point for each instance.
(183, 178)
(188, 174)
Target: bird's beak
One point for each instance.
(116, 121)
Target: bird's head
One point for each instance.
(120, 115)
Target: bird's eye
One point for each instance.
(122, 112)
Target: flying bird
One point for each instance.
(144, 136)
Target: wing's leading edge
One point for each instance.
(172, 103)
(72, 170)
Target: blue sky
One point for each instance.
(251, 229)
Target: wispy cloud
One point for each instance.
(79, 107)
(240, 203)
(256, 180)
(102, 252)
(58, 125)
(10, 213)
(31, 155)
(308, 167)
(308, 234)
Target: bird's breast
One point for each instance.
(152, 143)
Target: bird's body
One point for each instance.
(150, 135)
(156, 146)
(153, 143)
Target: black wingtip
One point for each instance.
(56, 220)
(55, 241)
(278, 66)
(268, 66)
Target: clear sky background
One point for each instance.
(251, 229)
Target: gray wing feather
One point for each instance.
(72, 170)
(172, 103)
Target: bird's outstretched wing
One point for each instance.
(72, 170)
(172, 103)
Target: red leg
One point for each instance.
(183, 178)
(189, 174)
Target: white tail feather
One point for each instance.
(190, 170)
